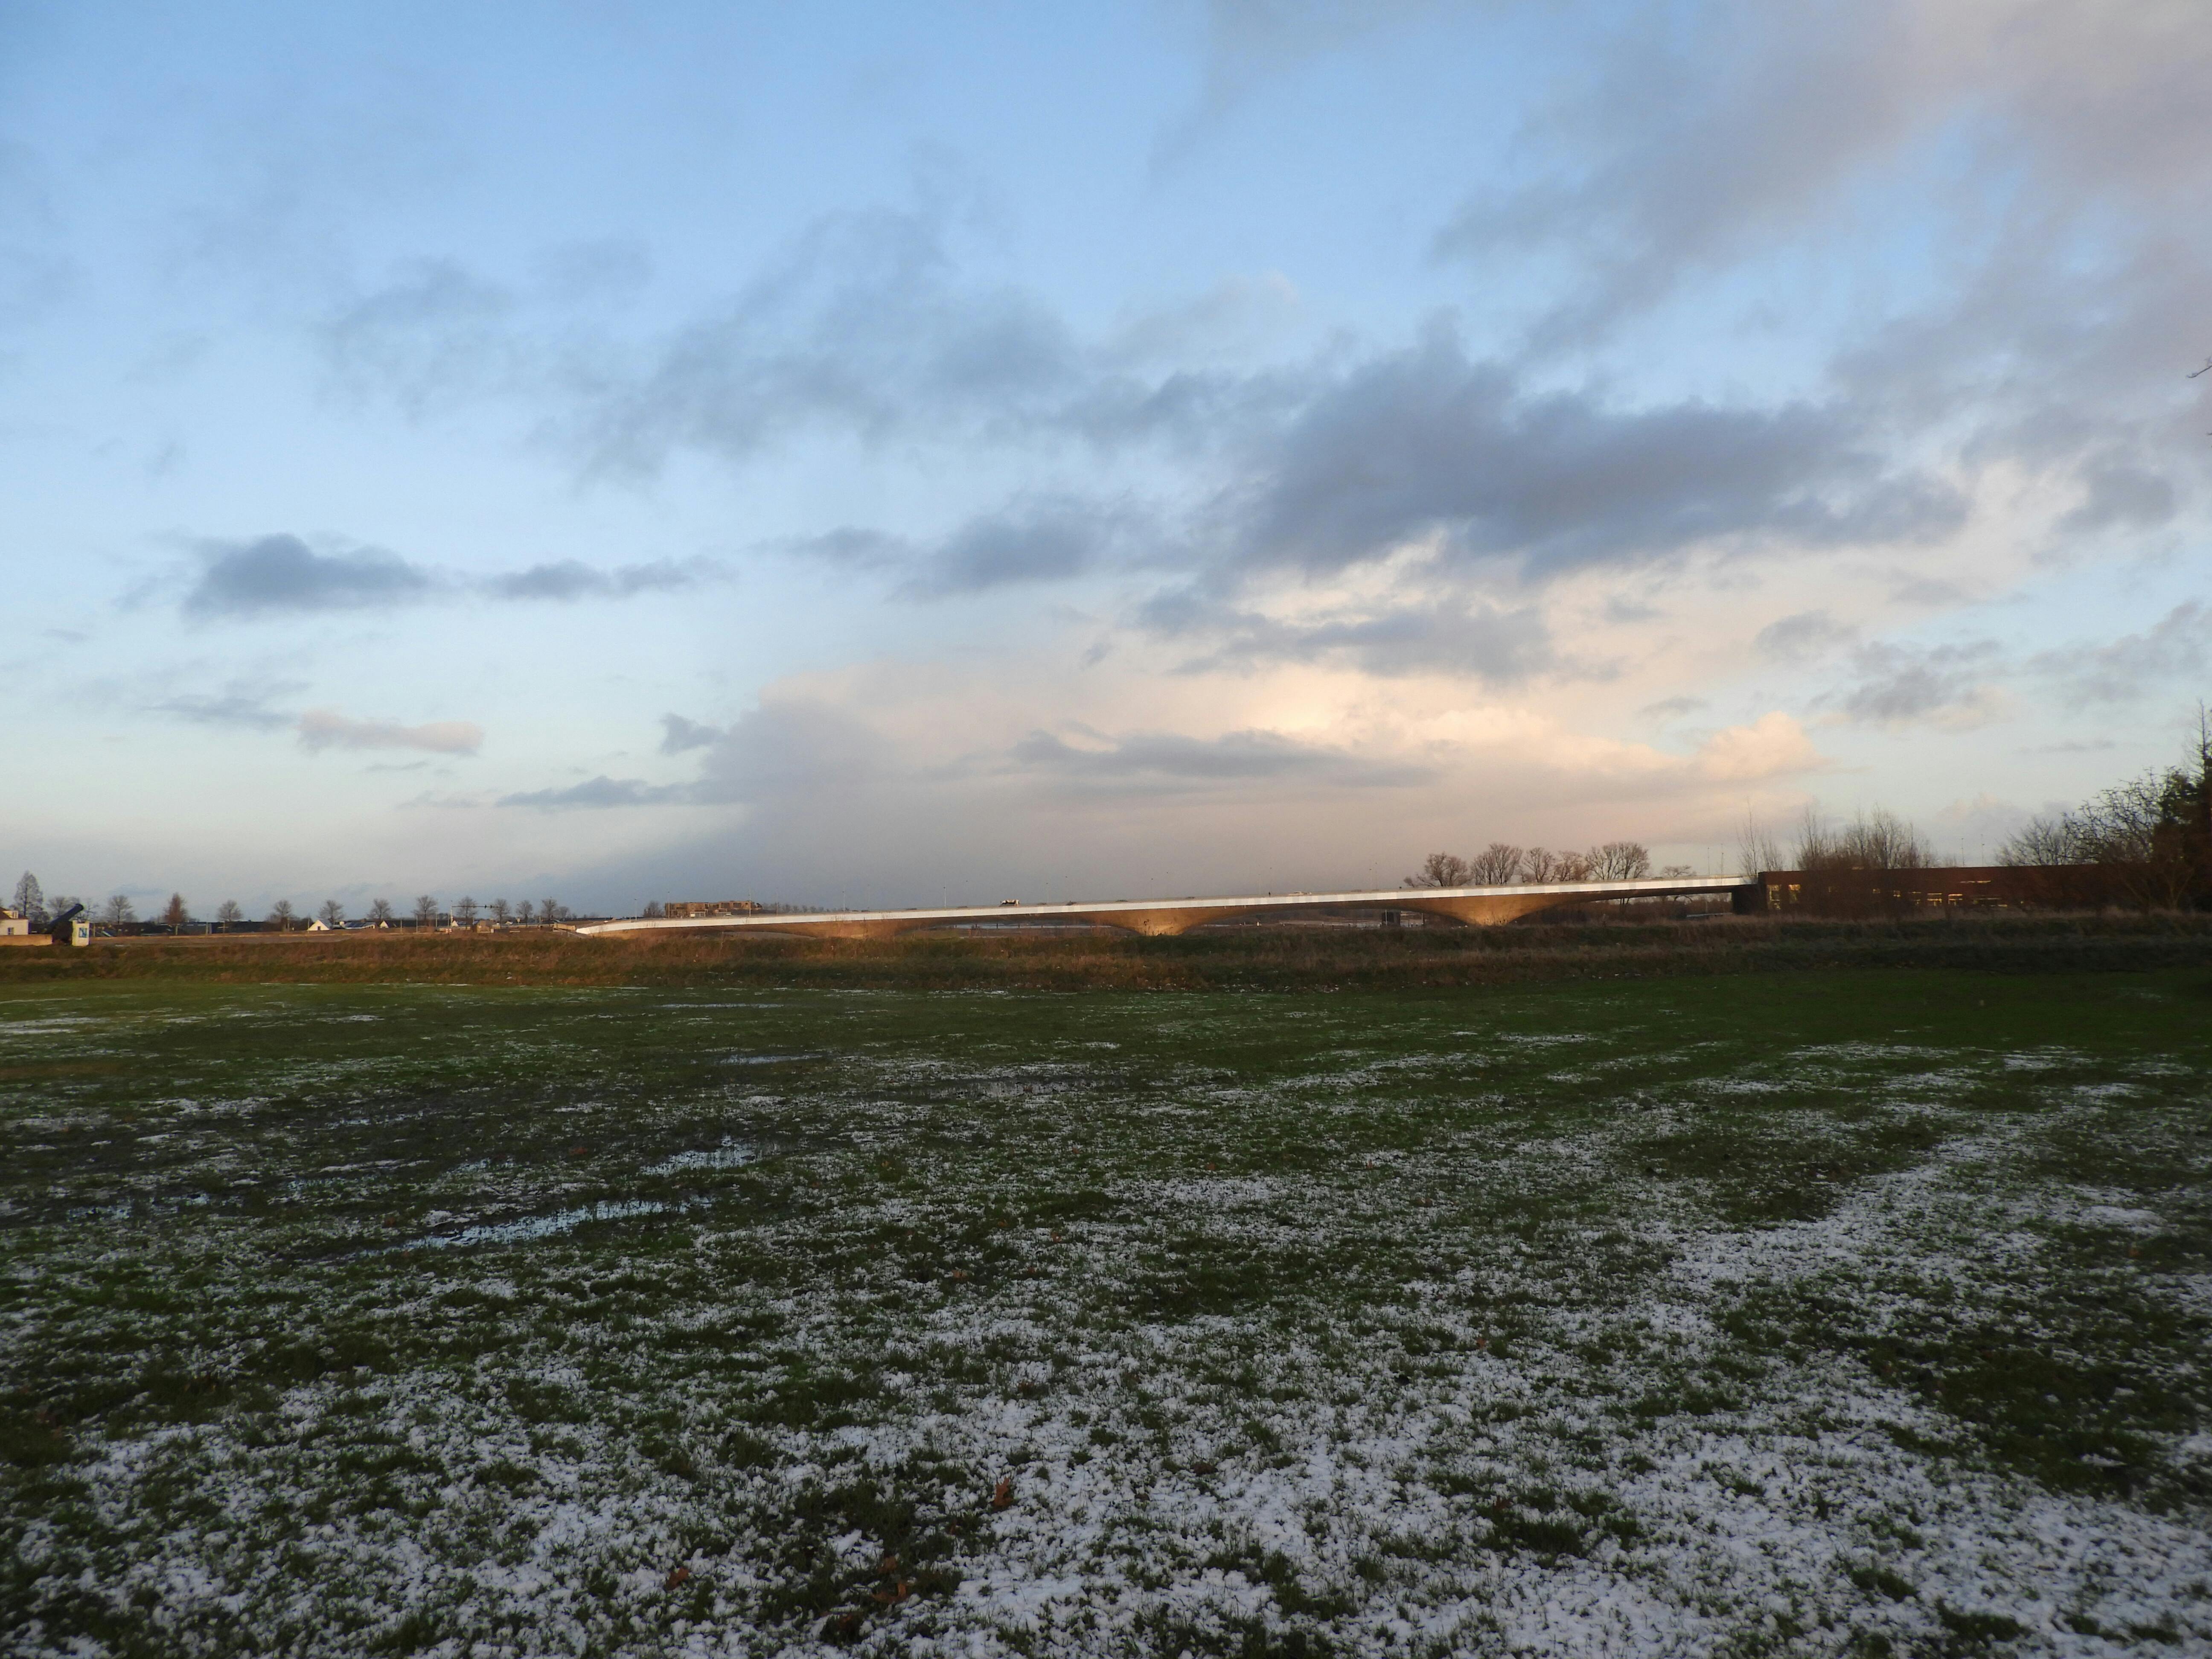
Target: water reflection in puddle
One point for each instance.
(727, 1156)
(540, 1226)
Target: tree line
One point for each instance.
(2153, 833)
(118, 911)
(1503, 865)
(1875, 841)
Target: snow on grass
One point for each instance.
(1117, 1325)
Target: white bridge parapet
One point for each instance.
(1477, 906)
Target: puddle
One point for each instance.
(730, 1155)
(536, 1226)
(767, 1059)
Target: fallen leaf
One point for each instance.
(1003, 1496)
(681, 1576)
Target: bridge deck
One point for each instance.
(1477, 906)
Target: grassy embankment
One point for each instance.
(1229, 958)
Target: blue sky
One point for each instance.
(865, 453)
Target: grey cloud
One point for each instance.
(572, 579)
(1711, 130)
(1695, 133)
(603, 792)
(1248, 42)
(2179, 646)
(1669, 708)
(1467, 638)
(2121, 496)
(858, 329)
(1233, 314)
(678, 734)
(1030, 541)
(433, 334)
(1901, 684)
(849, 544)
(1805, 634)
(1932, 591)
(236, 705)
(1161, 761)
(1722, 131)
(326, 728)
(796, 747)
(1424, 443)
(861, 328)
(779, 752)
(282, 573)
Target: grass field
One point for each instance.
(1818, 1312)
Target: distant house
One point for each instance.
(315, 925)
(15, 930)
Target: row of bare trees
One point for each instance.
(1502, 864)
(1874, 841)
(2152, 834)
(32, 901)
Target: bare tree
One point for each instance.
(1617, 860)
(118, 912)
(502, 911)
(379, 913)
(281, 915)
(1757, 848)
(177, 917)
(1816, 844)
(2046, 843)
(1539, 866)
(1881, 841)
(426, 911)
(527, 913)
(549, 911)
(1442, 870)
(332, 914)
(652, 912)
(464, 912)
(30, 900)
(1495, 866)
(2140, 827)
(2153, 833)
(229, 914)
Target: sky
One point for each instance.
(875, 454)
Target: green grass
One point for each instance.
(402, 1318)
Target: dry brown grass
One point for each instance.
(1226, 958)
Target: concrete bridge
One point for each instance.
(1479, 907)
